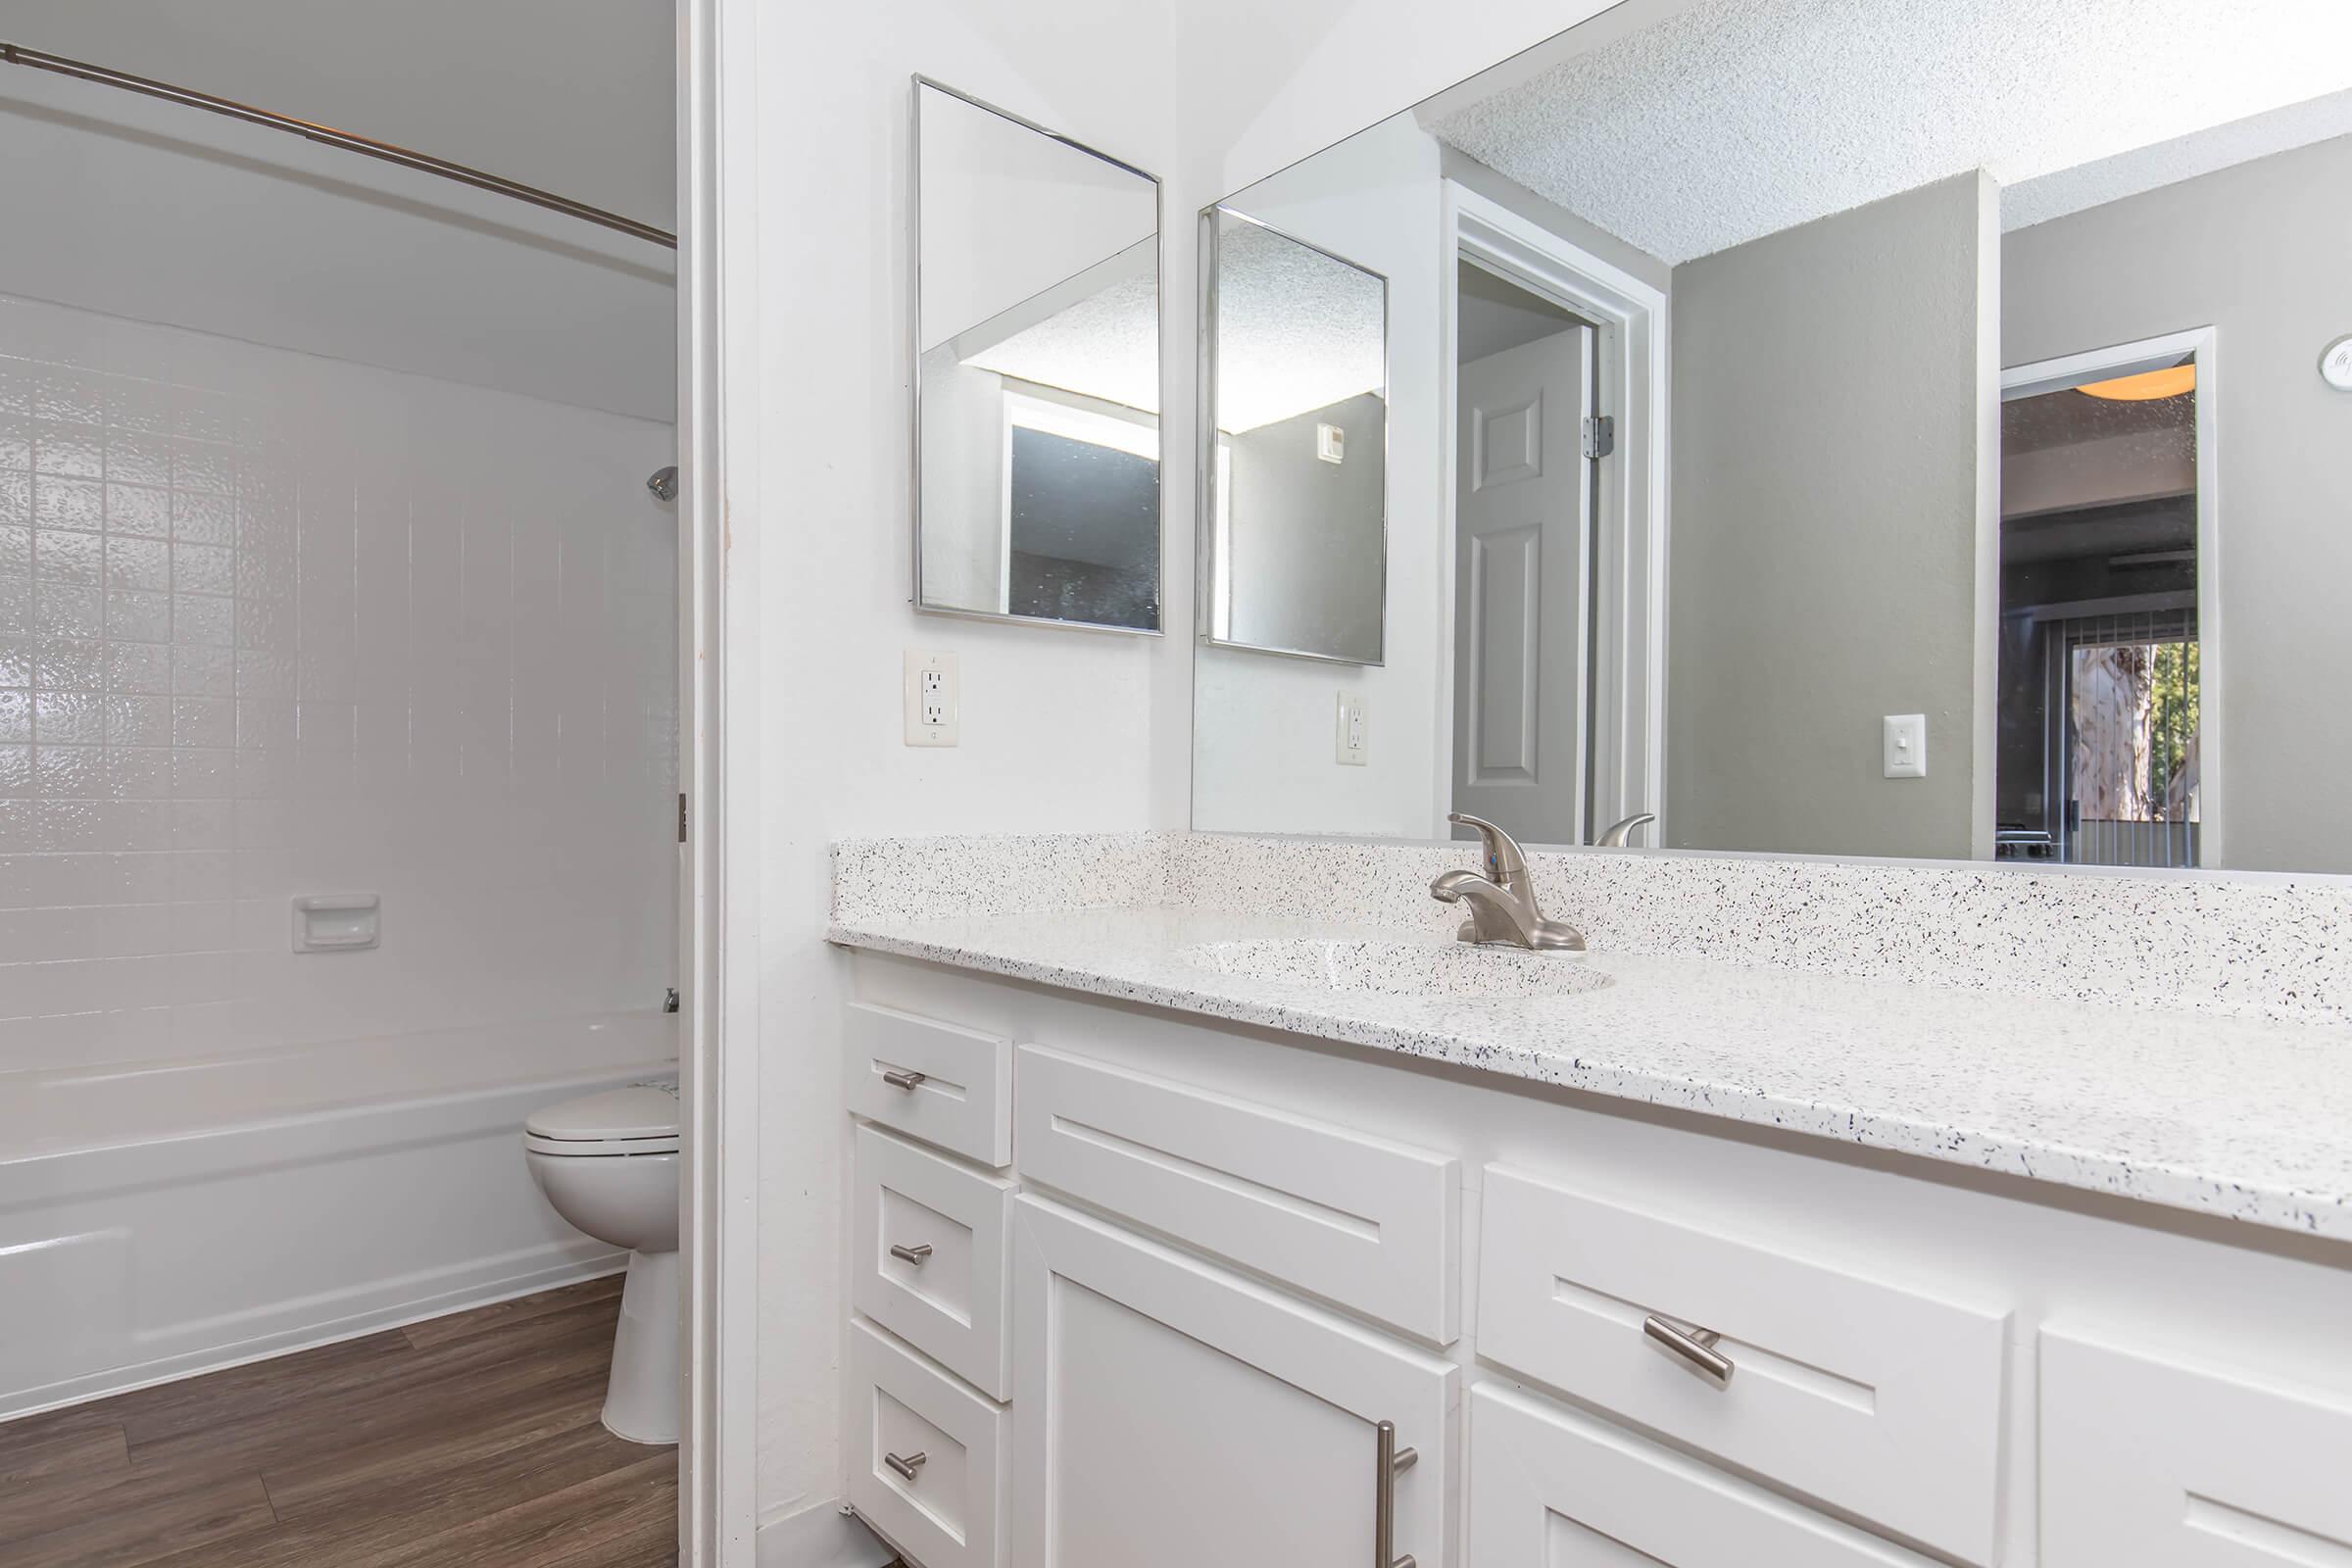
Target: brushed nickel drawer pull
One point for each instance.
(906, 1079)
(1695, 1346)
(915, 1254)
(908, 1466)
(1387, 1460)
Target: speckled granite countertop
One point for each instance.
(2237, 1117)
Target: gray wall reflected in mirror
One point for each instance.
(2010, 432)
(1294, 504)
(1037, 451)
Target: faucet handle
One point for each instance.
(1506, 863)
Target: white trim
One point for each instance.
(719, 1038)
(1077, 423)
(1635, 316)
(2130, 359)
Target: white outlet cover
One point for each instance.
(1906, 746)
(934, 699)
(1351, 745)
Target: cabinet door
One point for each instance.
(1551, 1488)
(1168, 1414)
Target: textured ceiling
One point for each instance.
(1104, 346)
(1737, 118)
(1296, 329)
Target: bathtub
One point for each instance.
(165, 1218)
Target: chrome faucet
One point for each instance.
(1503, 901)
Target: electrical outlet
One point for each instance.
(934, 700)
(1349, 745)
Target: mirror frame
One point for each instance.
(914, 357)
(1204, 444)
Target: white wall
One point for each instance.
(1060, 730)
(499, 86)
(273, 624)
(1263, 724)
(141, 208)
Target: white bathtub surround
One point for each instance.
(2251, 945)
(2242, 1117)
(274, 626)
(183, 1216)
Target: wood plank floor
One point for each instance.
(466, 1442)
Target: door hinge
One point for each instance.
(1600, 435)
(681, 817)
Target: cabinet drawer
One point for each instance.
(2161, 1465)
(1551, 1487)
(927, 1238)
(1871, 1397)
(1353, 1219)
(939, 1082)
(926, 1456)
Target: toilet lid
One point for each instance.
(638, 1111)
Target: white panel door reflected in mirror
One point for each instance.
(1765, 370)
(1037, 375)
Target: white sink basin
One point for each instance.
(1401, 969)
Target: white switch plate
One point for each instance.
(1906, 744)
(934, 700)
(1349, 745)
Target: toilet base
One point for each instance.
(641, 1401)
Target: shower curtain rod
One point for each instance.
(327, 135)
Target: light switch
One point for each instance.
(1351, 747)
(1331, 443)
(1906, 746)
(934, 700)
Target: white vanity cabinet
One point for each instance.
(1608, 1335)
(1168, 1414)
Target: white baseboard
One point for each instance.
(820, 1536)
(351, 1326)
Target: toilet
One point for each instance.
(608, 1163)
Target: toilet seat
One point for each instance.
(599, 1147)
(639, 1119)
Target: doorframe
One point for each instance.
(2037, 376)
(1633, 354)
(718, 1046)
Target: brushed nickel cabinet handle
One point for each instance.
(1387, 1460)
(1695, 1346)
(911, 1254)
(906, 1079)
(908, 1466)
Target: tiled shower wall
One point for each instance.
(275, 625)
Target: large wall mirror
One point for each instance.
(1037, 373)
(1855, 430)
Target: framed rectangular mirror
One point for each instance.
(1962, 487)
(1294, 482)
(1037, 384)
